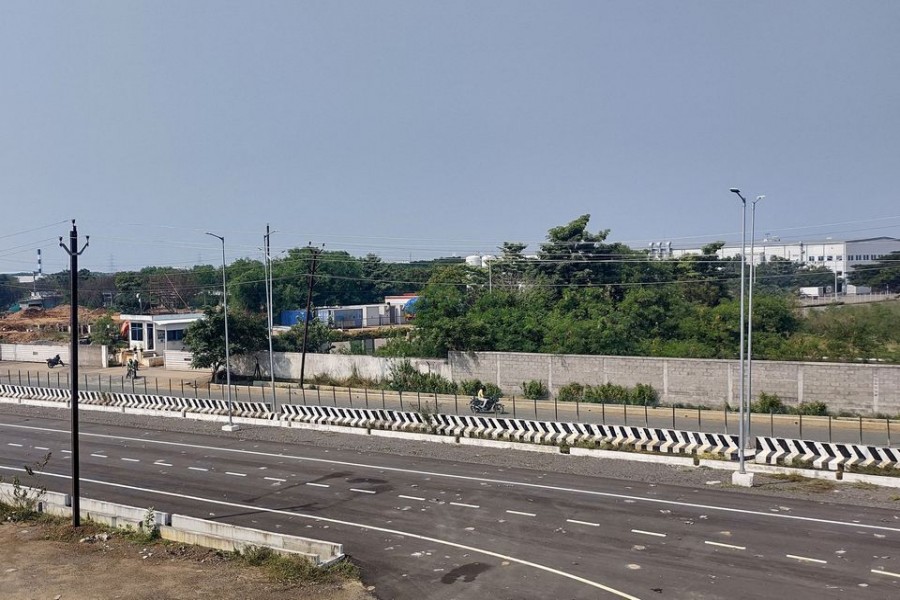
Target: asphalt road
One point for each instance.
(429, 528)
(871, 432)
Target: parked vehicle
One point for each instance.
(485, 405)
(56, 360)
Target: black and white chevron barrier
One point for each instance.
(354, 417)
(823, 455)
(555, 432)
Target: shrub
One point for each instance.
(492, 391)
(405, 377)
(571, 392)
(469, 387)
(817, 409)
(645, 395)
(769, 403)
(534, 390)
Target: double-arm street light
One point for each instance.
(741, 432)
(230, 426)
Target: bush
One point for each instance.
(645, 395)
(406, 378)
(769, 403)
(534, 389)
(469, 387)
(816, 409)
(571, 392)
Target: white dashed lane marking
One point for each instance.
(362, 491)
(131, 459)
(41, 448)
(325, 485)
(721, 545)
(524, 514)
(275, 479)
(99, 456)
(653, 533)
(412, 498)
(888, 573)
(197, 469)
(66, 451)
(465, 505)
(582, 523)
(15, 445)
(807, 559)
(235, 474)
(162, 464)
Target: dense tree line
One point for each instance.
(582, 295)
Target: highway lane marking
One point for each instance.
(275, 479)
(40, 448)
(131, 459)
(411, 498)
(502, 482)
(424, 538)
(653, 533)
(162, 464)
(235, 474)
(720, 544)
(806, 559)
(524, 514)
(66, 451)
(16, 445)
(317, 484)
(197, 469)
(582, 522)
(362, 491)
(888, 573)
(464, 505)
(99, 456)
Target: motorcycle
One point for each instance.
(56, 360)
(131, 369)
(485, 406)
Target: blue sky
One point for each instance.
(419, 129)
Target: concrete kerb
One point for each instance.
(184, 529)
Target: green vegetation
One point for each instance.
(290, 569)
(535, 390)
(610, 393)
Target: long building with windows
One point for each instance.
(837, 255)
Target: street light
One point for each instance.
(230, 426)
(750, 311)
(741, 432)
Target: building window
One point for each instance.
(840, 258)
(830, 258)
(865, 257)
(137, 332)
(821, 259)
(174, 335)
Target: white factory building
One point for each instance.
(837, 255)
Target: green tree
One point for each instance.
(206, 337)
(883, 275)
(105, 331)
(319, 338)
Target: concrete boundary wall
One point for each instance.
(860, 388)
(180, 528)
(88, 356)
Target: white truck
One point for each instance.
(814, 292)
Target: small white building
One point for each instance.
(157, 333)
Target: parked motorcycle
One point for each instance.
(485, 405)
(56, 360)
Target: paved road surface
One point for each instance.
(427, 528)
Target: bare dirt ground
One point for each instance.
(36, 325)
(47, 562)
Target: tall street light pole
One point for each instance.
(230, 426)
(74, 253)
(750, 312)
(741, 432)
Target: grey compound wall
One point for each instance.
(860, 388)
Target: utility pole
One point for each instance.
(311, 277)
(74, 253)
(270, 309)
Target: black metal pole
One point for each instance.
(312, 276)
(73, 253)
